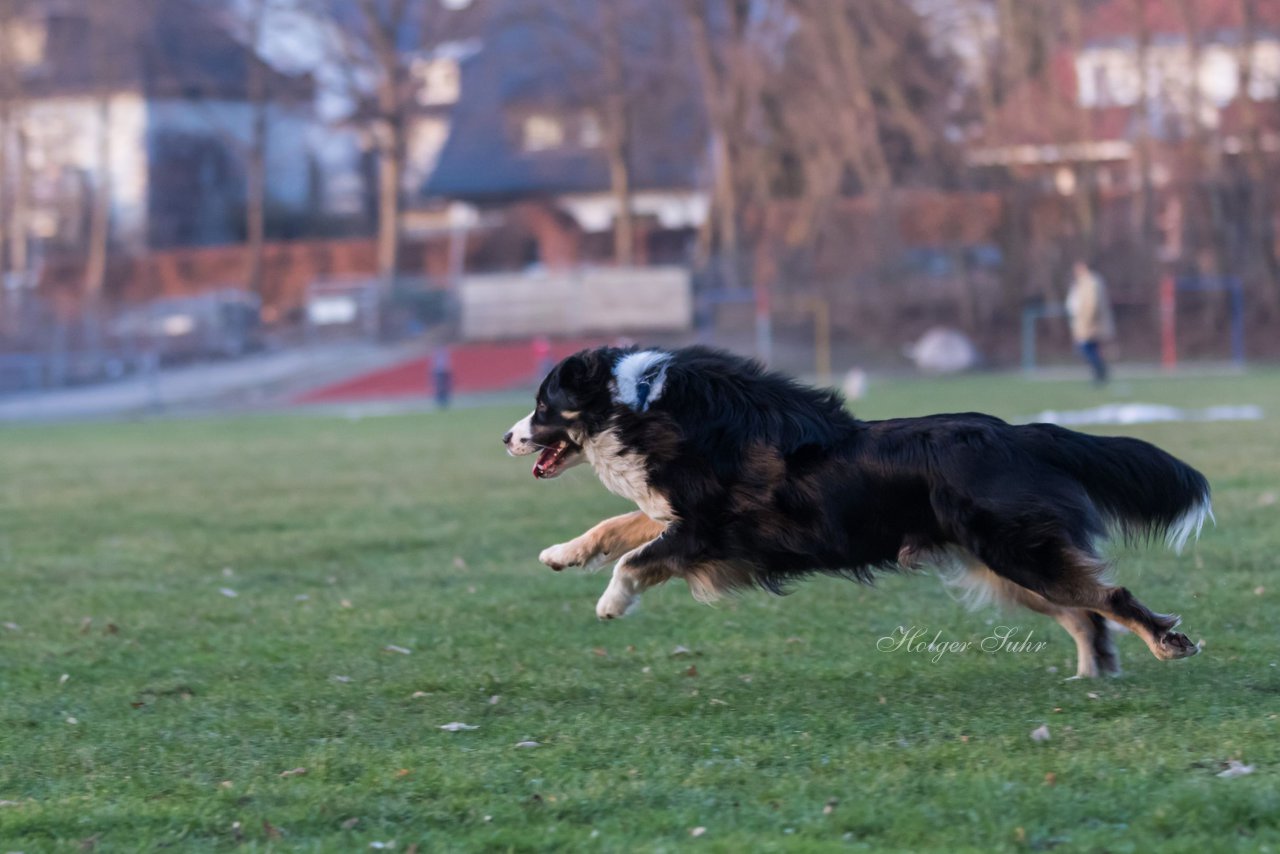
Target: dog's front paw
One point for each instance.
(616, 602)
(571, 554)
(559, 556)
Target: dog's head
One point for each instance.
(574, 404)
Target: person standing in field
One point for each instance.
(1089, 312)
(442, 373)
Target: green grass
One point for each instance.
(343, 537)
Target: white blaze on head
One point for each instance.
(639, 378)
(521, 443)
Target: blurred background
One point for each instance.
(245, 203)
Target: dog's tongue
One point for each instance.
(548, 459)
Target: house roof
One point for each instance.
(518, 72)
(169, 48)
(1118, 21)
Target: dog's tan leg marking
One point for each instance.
(1095, 654)
(607, 540)
(1121, 606)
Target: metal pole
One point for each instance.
(1168, 324)
(1237, 320)
(1029, 315)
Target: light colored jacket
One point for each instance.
(1089, 309)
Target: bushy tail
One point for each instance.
(1145, 491)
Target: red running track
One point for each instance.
(476, 367)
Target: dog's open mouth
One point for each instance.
(551, 461)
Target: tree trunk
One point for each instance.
(390, 169)
(724, 208)
(18, 236)
(618, 134)
(256, 158)
(100, 212)
(1259, 228)
(6, 192)
(1146, 202)
(256, 205)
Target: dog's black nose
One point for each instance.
(506, 440)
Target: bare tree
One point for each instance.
(256, 150)
(622, 73)
(106, 45)
(13, 166)
(374, 43)
(722, 47)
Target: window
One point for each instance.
(542, 132)
(590, 134)
(438, 81)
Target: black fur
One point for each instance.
(763, 480)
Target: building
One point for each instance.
(155, 108)
(527, 142)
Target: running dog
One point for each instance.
(745, 478)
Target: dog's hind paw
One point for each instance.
(1175, 645)
(616, 603)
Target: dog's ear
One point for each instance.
(583, 372)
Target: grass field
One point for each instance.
(192, 609)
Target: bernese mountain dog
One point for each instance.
(745, 478)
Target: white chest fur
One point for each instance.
(623, 474)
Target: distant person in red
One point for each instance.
(442, 374)
(1089, 311)
(542, 361)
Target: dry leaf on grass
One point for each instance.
(457, 726)
(382, 846)
(681, 650)
(418, 694)
(62, 680)
(495, 699)
(271, 830)
(13, 627)
(697, 831)
(85, 625)
(528, 744)
(1040, 733)
(293, 772)
(692, 671)
(228, 592)
(345, 603)
(830, 806)
(350, 823)
(343, 679)
(400, 649)
(1235, 768)
(1051, 779)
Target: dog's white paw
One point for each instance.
(571, 554)
(559, 556)
(616, 602)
